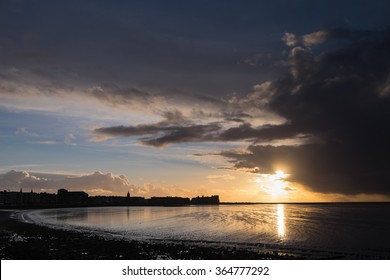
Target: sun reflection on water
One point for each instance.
(280, 220)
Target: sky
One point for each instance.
(260, 101)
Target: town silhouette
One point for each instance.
(65, 198)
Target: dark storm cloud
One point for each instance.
(166, 132)
(182, 134)
(174, 129)
(135, 44)
(195, 46)
(263, 133)
(163, 134)
(237, 117)
(342, 99)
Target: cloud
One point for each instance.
(174, 128)
(114, 95)
(25, 91)
(95, 183)
(180, 112)
(69, 138)
(336, 99)
(289, 189)
(234, 109)
(313, 39)
(162, 134)
(290, 39)
(24, 131)
(14, 180)
(230, 122)
(308, 40)
(97, 180)
(148, 190)
(16, 84)
(47, 142)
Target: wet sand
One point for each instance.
(26, 241)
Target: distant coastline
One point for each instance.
(65, 198)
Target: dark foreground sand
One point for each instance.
(20, 240)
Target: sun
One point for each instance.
(279, 174)
(274, 184)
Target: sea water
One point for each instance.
(327, 226)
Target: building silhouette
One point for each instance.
(66, 197)
(203, 200)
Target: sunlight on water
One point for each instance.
(280, 217)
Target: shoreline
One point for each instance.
(28, 241)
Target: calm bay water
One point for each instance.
(330, 226)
